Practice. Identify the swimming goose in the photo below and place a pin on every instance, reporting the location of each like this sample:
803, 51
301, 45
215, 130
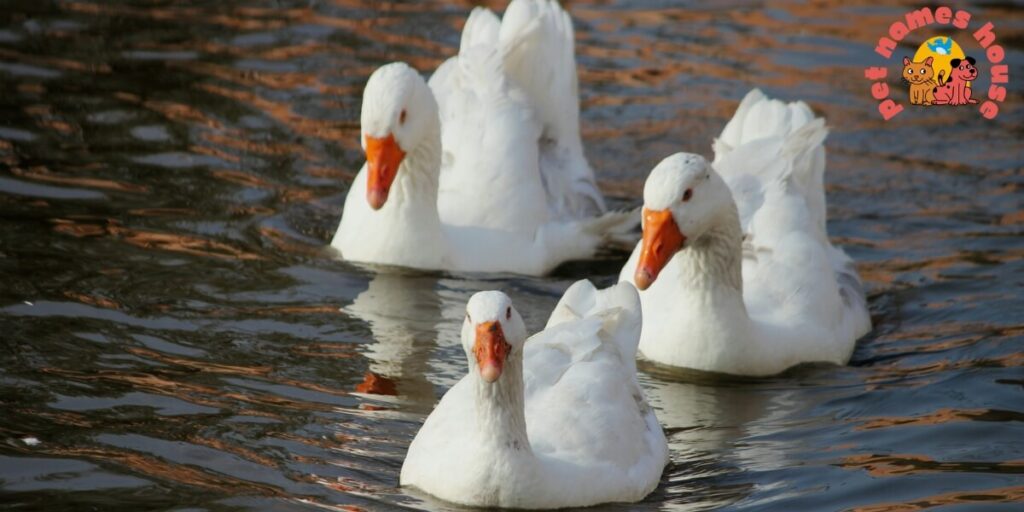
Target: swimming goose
558, 420
735, 266
482, 169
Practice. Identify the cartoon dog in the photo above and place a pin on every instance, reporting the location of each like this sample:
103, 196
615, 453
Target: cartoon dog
919, 75
955, 90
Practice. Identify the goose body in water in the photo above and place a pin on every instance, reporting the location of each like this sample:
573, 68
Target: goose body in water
735, 266
482, 169
555, 421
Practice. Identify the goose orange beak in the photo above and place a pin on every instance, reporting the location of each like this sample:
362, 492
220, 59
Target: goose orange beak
383, 156
490, 349
662, 239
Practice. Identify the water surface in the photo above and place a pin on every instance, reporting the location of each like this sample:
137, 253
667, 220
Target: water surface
176, 336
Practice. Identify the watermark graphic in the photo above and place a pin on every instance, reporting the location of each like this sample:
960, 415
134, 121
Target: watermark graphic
940, 73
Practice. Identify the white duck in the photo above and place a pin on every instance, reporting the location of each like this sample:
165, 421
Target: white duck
737, 272
558, 420
486, 171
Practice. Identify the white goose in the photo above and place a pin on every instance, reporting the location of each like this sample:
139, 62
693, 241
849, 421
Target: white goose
737, 272
482, 170
558, 420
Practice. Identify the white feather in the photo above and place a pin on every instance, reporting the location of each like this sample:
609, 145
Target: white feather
592, 438
498, 181
527, 134
761, 289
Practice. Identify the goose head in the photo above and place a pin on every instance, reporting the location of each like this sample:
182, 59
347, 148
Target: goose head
492, 332
683, 198
398, 109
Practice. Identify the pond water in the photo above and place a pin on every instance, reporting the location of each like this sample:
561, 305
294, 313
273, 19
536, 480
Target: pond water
175, 335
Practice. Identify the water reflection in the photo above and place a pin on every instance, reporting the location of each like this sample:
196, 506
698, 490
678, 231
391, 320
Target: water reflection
403, 311
416, 321
700, 421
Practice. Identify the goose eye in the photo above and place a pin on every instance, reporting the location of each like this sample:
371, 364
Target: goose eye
401, 117
687, 195
468, 319
508, 312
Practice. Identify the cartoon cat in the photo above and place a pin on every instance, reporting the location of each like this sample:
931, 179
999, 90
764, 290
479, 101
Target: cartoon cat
919, 75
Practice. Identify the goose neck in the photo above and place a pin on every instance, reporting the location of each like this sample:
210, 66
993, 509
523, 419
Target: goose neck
501, 409
715, 260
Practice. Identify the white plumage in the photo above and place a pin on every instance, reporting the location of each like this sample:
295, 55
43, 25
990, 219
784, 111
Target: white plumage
494, 177
565, 425
757, 287
510, 118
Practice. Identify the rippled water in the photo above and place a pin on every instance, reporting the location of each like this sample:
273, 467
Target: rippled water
175, 334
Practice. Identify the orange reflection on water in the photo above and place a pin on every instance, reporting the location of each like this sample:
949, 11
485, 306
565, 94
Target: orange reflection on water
903, 464
174, 13
150, 383
77, 228
282, 112
163, 212
250, 78
377, 385
956, 334
330, 172
53, 62
234, 449
55, 417
200, 365
887, 271
289, 52
92, 300
183, 244
915, 376
46, 119
266, 148
262, 372
938, 417
977, 497
217, 153
219, 398
40, 173
326, 350
250, 180
161, 469
284, 242
153, 240
1016, 217
173, 111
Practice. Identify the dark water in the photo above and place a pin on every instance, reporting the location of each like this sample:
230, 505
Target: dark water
174, 335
